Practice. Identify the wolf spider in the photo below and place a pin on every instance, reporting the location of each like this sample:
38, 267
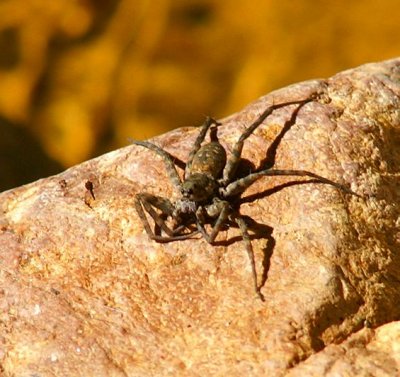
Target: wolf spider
209, 186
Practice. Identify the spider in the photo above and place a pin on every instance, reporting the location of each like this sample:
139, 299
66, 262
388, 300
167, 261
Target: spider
208, 189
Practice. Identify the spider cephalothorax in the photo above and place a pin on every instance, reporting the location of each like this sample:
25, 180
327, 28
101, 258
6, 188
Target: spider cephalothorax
208, 188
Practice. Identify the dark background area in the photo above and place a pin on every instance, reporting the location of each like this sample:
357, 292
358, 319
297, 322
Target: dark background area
78, 78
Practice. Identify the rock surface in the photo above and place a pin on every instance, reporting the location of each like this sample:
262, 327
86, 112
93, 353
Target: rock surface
84, 292
366, 353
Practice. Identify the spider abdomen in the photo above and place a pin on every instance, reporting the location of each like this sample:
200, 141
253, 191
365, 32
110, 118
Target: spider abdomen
210, 159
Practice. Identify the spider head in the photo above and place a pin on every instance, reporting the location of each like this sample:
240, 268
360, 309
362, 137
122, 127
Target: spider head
199, 187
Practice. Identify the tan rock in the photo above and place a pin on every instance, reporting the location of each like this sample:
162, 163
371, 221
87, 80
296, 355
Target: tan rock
365, 353
84, 292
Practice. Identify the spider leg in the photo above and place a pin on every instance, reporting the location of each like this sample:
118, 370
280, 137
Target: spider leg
196, 146
169, 164
222, 210
241, 184
233, 162
146, 202
249, 249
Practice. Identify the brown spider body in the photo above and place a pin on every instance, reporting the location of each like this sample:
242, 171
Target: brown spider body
210, 159
206, 168
208, 186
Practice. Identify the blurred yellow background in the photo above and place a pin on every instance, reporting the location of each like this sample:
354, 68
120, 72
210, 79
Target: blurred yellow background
80, 77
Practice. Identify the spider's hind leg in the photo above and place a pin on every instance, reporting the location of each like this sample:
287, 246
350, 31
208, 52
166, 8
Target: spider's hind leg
233, 162
197, 144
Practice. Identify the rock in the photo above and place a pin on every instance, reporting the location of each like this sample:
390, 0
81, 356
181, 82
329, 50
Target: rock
84, 292
365, 353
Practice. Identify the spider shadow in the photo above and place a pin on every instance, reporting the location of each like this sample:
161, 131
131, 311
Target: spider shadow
178, 162
258, 231
275, 189
269, 160
246, 167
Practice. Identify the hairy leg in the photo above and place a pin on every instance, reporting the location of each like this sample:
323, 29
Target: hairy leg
249, 249
242, 184
233, 162
146, 202
221, 211
169, 164
197, 144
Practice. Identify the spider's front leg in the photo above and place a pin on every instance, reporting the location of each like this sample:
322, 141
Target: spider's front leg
169, 164
147, 202
222, 210
249, 249
219, 209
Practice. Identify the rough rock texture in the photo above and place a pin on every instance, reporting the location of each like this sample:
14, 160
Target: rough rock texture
366, 353
84, 292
